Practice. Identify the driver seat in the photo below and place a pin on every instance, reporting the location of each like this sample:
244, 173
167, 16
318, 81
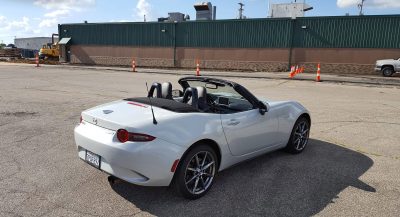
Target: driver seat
190, 97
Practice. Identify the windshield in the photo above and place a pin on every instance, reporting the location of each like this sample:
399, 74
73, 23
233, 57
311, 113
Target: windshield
222, 97
217, 89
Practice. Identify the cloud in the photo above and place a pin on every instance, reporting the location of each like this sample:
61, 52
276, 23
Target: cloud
57, 13
347, 3
369, 3
48, 23
76, 5
54, 12
2, 19
15, 25
59, 9
9, 28
143, 7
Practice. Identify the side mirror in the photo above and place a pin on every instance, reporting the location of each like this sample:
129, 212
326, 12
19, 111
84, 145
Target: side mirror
262, 108
177, 93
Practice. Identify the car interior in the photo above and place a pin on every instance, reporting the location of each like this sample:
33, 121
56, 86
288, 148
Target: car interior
205, 98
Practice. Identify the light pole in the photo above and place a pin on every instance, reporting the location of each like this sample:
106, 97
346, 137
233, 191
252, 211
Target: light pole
241, 10
360, 6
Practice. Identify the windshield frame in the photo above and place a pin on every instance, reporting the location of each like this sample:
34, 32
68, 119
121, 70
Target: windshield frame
242, 91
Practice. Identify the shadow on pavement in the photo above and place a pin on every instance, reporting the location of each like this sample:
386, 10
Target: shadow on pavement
275, 184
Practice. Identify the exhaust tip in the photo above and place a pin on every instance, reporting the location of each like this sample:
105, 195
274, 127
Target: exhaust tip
113, 180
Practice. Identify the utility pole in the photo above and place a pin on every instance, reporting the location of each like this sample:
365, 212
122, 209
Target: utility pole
241, 10
360, 6
144, 18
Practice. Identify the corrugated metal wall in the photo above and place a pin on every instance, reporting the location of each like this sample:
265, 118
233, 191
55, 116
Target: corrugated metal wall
308, 32
265, 33
348, 32
120, 34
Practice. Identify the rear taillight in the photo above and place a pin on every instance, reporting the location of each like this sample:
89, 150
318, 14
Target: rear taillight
124, 136
80, 119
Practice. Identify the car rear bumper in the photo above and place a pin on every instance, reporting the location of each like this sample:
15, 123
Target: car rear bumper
377, 69
141, 163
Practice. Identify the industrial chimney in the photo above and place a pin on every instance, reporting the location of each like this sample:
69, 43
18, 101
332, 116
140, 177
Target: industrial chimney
204, 11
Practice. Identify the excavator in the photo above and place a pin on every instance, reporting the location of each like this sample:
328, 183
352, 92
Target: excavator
51, 50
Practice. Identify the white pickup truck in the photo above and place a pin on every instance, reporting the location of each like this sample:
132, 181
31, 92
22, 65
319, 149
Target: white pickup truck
388, 67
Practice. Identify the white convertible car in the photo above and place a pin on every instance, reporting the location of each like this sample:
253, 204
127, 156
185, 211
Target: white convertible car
183, 138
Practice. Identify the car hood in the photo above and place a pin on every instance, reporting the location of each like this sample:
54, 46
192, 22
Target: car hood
386, 60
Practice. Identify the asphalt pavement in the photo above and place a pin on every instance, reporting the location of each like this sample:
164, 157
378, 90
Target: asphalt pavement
350, 168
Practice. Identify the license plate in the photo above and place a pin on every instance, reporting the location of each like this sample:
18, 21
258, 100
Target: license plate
93, 159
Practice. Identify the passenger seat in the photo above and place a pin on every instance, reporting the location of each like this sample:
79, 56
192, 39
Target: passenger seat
166, 90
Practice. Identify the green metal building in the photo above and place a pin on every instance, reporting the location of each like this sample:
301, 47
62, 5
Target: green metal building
348, 44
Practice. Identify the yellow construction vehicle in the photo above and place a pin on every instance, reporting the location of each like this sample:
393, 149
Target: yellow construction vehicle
50, 50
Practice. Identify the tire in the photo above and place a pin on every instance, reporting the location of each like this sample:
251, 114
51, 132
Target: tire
299, 136
387, 71
195, 175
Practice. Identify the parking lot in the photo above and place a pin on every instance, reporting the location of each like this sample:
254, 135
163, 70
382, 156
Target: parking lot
350, 168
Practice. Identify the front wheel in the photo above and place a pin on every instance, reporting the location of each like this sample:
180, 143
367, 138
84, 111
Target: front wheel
387, 71
299, 137
196, 172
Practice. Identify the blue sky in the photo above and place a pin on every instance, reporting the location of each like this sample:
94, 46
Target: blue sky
27, 18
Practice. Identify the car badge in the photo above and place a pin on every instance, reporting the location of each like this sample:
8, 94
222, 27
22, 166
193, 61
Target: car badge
95, 121
107, 111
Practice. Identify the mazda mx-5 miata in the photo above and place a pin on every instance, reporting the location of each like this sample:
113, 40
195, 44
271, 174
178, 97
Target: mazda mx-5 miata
184, 137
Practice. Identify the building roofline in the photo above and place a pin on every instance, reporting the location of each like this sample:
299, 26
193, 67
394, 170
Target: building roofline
34, 38
243, 20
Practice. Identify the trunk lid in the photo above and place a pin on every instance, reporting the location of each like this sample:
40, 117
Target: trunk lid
121, 114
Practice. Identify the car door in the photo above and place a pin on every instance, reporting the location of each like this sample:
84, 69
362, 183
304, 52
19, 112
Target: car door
249, 131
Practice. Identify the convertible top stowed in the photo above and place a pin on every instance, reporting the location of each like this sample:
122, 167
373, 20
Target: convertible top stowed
207, 126
167, 104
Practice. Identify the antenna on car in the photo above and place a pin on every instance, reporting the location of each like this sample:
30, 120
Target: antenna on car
151, 105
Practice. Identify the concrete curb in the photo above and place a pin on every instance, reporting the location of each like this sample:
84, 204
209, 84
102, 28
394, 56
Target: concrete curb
348, 79
364, 80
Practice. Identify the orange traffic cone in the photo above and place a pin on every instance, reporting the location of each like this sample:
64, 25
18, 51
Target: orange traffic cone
133, 65
302, 69
37, 60
198, 68
319, 73
291, 74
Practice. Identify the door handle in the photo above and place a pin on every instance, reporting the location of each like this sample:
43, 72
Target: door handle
233, 122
